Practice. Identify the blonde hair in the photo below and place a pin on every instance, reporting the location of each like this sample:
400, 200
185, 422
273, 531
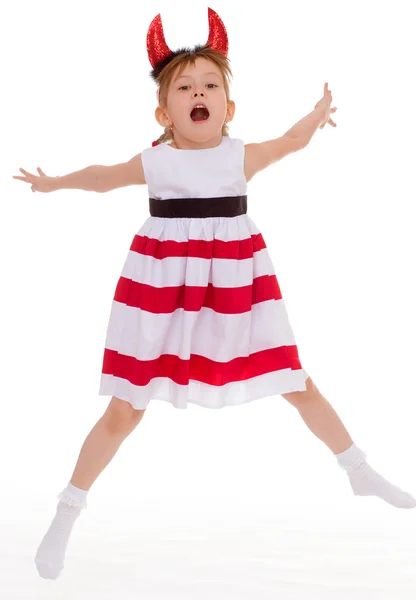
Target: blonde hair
180, 62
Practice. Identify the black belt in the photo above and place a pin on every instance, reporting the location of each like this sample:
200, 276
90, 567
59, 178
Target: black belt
225, 206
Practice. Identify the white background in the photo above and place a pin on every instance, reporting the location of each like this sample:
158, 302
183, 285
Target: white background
204, 503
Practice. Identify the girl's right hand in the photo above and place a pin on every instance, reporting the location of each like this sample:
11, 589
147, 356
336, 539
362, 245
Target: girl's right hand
41, 183
324, 104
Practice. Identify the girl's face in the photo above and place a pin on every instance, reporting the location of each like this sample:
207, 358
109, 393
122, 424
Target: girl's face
198, 84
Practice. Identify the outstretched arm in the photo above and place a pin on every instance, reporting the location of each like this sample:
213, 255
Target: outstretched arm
96, 178
306, 128
262, 155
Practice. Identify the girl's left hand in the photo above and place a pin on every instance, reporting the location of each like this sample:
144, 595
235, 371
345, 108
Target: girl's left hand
40, 183
325, 104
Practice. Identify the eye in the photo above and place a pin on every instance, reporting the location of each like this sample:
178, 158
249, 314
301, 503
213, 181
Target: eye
186, 86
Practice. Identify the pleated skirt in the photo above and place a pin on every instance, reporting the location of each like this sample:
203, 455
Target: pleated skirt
198, 317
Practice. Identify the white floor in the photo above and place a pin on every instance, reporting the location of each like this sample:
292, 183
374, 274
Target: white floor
224, 549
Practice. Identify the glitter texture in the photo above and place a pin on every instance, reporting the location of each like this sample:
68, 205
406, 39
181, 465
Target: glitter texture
157, 48
217, 39
159, 52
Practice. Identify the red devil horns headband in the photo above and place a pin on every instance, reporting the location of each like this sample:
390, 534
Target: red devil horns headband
160, 54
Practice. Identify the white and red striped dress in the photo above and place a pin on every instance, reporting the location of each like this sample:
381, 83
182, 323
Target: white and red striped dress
197, 314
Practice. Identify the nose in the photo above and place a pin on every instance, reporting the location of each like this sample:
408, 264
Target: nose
196, 93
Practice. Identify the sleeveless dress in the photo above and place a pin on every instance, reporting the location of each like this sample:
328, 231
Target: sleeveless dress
197, 315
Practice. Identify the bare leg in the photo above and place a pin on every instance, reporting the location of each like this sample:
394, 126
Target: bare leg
324, 422
103, 441
98, 449
320, 417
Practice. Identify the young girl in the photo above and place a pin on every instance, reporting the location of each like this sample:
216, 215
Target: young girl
197, 314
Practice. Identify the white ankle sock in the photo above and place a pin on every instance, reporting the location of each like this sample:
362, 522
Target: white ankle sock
50, 555
351, 458
365, 481
74, 496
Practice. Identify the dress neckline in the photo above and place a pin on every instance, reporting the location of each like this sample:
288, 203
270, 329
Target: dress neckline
196, 149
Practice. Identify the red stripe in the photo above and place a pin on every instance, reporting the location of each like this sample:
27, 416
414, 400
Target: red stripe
199, 368
232, 300
233, 249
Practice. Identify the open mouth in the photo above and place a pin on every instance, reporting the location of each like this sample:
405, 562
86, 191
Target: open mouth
199, 113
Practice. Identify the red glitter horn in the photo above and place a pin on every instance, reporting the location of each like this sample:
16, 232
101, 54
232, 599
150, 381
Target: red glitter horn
157, 48
159, 52
217, 38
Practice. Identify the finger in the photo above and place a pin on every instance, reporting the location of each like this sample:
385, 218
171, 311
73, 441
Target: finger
27, 173
333, 109
331, 122
41, 172
25, 179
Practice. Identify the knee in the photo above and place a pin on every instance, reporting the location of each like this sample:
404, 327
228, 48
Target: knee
121, 417
299, 399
